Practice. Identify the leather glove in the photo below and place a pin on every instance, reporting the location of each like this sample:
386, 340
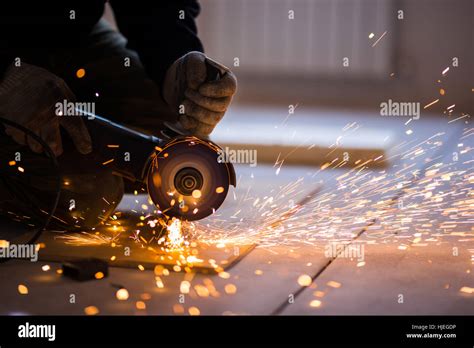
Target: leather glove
186, 88
28, 95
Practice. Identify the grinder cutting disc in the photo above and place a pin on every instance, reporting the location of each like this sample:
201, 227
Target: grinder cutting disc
187, 180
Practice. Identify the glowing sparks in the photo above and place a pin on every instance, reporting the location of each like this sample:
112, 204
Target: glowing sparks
230, 289
80, 73
22, 289
122, 294
437, 202
159, 283
304, 280
158, 270
380, 38
91, 310
334, 284
224, 275
178, 309
140, 305
194, 311
467, 290
175, 236
430, 104
201, 290
184, 287
107, 162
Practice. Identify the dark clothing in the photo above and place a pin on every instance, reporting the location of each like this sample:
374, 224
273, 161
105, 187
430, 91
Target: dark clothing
37, 29
42, 34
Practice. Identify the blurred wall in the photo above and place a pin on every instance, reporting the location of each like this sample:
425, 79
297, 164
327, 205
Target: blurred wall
415, 50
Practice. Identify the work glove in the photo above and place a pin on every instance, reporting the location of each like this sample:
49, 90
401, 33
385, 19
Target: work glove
200, 100
28, 95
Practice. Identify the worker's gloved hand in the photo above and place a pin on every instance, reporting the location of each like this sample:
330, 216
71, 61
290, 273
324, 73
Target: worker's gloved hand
28, 95
200, 102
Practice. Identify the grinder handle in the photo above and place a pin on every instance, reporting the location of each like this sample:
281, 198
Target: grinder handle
214, 70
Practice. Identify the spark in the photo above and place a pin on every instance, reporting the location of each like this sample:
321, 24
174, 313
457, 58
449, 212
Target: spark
304, 280
22, 289
140, 305
122, 294
194, 311
430, 104
334, 284
159, 283
467, 290
86, 238
230, 289
91, 310
178, 309
107, 162
175, 236
380, 38
184, 287
80, 73
224, 275
459, 118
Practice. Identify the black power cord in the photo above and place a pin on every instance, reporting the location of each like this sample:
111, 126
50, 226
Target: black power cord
55, 163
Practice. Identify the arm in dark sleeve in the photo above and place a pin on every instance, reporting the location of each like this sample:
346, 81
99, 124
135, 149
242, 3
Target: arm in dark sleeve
155, 30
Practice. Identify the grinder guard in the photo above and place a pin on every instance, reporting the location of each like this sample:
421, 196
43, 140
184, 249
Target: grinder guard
187, 180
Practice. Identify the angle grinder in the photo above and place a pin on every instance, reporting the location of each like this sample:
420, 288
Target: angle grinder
183, 174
